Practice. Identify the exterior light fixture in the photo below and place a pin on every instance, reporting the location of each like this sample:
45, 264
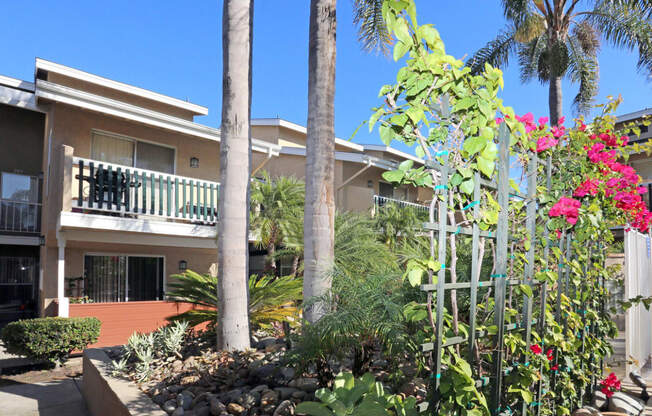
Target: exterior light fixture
370, 183
183, 266
194, 162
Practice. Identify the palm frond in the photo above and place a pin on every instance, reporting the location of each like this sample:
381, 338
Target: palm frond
587, 36
532, 27
495, 53
270, 299
529, 55
583, 68
517, 10
627, 25
372, 31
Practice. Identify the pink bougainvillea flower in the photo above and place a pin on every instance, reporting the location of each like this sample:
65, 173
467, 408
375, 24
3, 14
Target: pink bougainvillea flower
558, 234
588, 187
545, 143
558, 131
499, 120
581, 126
561, 120
641, 190
566, 207
535, 348
542, 121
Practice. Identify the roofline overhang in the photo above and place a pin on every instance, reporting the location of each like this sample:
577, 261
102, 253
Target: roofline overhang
346, 157
279, 122
44, 65
58, 93
634, 115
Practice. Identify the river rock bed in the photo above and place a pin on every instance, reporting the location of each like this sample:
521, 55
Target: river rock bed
203, 381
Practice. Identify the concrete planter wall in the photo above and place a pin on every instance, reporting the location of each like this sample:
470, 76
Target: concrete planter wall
106, 395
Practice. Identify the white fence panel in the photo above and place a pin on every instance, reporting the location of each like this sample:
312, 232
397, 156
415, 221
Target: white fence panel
638, 320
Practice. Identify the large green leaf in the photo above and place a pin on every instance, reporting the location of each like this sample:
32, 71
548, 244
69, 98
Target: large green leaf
313, 409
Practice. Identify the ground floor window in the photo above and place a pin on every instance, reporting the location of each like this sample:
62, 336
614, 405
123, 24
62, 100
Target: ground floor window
123, 278
19, 267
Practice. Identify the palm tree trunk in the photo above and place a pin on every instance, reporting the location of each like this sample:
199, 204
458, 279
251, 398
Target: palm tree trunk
271, 259
319, 214
235, 162
554, 100
295, 265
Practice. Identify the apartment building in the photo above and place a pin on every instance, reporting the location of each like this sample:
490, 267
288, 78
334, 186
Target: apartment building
107, 190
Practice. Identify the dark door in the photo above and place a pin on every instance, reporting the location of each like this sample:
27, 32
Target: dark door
19, 266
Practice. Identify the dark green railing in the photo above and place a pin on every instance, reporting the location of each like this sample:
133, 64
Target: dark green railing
110, 188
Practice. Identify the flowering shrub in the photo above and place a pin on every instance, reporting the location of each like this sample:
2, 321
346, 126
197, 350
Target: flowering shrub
610, 385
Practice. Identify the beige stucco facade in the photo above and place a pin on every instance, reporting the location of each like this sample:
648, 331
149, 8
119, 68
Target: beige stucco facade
72, 105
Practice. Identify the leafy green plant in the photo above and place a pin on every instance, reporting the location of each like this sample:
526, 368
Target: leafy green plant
270, 299
50, 339
362, 396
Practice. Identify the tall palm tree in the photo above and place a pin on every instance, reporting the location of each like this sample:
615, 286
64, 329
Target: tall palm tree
277, 205
319, 215
235, 162
554, 39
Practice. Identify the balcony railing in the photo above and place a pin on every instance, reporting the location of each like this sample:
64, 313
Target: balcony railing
114, 189
20, 216
380, 201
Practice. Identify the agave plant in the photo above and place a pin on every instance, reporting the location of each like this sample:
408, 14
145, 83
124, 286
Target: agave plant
270, 299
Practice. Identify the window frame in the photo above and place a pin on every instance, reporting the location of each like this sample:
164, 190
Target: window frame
135, 142
127, 255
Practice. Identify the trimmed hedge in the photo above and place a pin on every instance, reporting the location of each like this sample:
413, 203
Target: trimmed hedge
50, 339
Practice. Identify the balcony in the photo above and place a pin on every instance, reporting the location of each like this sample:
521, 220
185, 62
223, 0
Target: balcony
382, 201
20, 207
115, 190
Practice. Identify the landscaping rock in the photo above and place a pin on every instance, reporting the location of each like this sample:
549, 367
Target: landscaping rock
286, 408
216, 407
202, 410
264, 373
169, 406
178, 412
306, 384
260, 388
285, 392
192, 379
599, 400
621, 402
249, 400
266, 342
177, 366
161, 398
175, 388
235, 409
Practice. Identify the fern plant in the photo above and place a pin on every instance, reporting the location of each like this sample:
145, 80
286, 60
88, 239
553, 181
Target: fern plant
270, 299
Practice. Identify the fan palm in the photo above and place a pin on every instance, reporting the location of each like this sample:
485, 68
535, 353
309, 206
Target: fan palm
277, 205
554, 39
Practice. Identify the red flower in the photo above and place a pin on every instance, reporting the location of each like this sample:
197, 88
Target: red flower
567, 207
554, 367
549, 354
607, 392
535, 348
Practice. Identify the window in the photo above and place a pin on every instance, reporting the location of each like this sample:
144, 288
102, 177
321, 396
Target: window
386, 190
19, 203
19, 188
112, 148
123, 278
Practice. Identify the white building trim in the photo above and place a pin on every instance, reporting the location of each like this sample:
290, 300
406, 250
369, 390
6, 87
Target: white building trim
16, 83
66, 95
396, 152
347, 157
17, 97
44, 65
633, 116
279, 122
20, 240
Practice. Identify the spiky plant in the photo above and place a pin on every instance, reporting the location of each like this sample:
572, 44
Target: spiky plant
277, 206
555, 39
270, 299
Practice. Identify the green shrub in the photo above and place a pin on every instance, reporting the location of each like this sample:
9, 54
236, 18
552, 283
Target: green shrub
50, 339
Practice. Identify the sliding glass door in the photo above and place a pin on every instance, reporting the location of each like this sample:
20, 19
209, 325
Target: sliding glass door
123, 278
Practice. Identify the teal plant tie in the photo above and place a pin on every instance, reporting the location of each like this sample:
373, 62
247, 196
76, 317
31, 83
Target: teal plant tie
470, 205
438, 375
459, 229
442, 153
534, 404
498, 275
443, 265
527, 363
441, 187
479, 284
512, 256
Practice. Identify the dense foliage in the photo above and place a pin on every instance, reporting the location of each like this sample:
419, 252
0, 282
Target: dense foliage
270, 299
50, 339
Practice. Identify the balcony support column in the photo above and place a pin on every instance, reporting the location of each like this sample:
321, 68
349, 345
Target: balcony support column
62, 300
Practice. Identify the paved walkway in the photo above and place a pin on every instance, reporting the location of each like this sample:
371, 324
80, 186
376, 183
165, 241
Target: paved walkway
51, 398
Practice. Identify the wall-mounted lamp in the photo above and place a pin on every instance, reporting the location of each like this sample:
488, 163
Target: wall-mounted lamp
194, 162
370, 183
183, 266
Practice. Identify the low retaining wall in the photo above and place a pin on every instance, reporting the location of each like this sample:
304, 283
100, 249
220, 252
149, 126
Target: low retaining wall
121, 319
106, 395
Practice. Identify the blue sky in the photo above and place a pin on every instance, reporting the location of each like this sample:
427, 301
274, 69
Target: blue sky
174, 48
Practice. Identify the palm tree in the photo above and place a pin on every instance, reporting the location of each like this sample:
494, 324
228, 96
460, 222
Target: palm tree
277, 204
554, 39
235, 162
319, 215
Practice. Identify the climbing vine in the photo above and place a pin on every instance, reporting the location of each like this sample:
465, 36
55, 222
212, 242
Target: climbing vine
578, 187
